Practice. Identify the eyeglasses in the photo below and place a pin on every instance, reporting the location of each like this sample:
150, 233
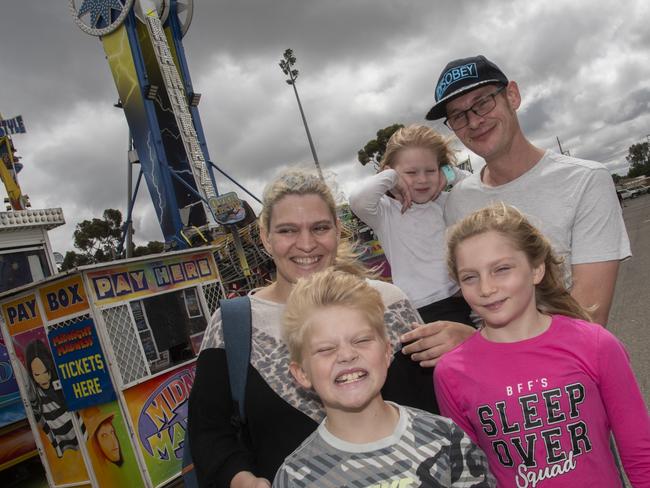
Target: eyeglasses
483, 106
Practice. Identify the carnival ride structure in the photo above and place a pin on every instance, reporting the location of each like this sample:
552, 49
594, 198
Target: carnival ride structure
143, 45
11, 166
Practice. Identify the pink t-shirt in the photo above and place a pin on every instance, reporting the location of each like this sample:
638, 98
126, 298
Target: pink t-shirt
542, 409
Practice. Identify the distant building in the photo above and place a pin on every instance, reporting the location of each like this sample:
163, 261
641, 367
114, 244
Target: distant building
25, 251
631, 183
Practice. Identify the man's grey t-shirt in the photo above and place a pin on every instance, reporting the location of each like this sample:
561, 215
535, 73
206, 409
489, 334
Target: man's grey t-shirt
572, 201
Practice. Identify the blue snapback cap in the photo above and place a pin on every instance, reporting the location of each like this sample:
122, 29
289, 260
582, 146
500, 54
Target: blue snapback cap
461, 76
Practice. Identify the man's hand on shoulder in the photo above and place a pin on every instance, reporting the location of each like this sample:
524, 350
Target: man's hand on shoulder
427, 343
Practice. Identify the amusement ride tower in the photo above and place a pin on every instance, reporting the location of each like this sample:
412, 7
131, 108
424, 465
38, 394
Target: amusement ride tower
143, 45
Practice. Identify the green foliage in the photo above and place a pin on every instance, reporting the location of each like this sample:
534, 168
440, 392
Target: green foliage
73, 260
98, 241
616, 178
639, 159
151, 247
374, 149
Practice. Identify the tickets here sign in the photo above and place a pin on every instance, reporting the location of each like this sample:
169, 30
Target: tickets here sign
81, 365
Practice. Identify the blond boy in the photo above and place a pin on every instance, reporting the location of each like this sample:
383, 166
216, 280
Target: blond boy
334, 329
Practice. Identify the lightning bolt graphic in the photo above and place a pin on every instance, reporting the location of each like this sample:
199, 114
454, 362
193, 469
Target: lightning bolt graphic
153, 180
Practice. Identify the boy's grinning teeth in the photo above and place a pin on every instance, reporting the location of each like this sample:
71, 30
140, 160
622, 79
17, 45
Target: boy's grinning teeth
349, 377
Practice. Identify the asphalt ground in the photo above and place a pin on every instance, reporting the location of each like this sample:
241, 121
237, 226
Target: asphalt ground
629, 317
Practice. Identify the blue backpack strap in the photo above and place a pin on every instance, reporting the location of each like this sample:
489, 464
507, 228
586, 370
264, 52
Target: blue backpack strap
236, 325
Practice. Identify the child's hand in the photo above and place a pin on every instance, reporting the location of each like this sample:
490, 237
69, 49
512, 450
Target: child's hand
442, 184
427, 343
402, 193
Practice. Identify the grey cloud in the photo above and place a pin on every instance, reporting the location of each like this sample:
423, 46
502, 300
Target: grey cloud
364, 65
630, 106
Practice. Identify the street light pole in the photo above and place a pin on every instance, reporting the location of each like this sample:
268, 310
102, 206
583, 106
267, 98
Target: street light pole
129, 196
286, 64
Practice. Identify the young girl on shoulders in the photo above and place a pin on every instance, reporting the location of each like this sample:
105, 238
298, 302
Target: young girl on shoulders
539, 388
411, 227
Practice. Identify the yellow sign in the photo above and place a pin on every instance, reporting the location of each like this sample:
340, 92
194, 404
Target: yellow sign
21, 314
135, 280
64, 298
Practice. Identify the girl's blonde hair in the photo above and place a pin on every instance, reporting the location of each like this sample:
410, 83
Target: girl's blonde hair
304, 182
325, 289
551, 294
418, 136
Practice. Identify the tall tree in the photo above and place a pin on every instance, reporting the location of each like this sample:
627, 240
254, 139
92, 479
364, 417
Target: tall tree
73, 259
151, 247
98, 241
374, 149
639, 159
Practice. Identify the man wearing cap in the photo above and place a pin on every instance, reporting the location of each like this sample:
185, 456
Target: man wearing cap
573, 201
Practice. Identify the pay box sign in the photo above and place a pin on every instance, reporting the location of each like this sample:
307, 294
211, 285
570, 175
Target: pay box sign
21, 314
64, 298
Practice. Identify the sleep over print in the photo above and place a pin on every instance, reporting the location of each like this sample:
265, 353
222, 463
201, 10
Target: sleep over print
543, 409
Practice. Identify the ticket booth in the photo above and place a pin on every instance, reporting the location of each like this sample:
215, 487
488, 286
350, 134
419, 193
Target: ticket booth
25, 256
105, 359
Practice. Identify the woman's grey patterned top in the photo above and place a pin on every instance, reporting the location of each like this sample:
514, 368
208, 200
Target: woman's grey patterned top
270, 356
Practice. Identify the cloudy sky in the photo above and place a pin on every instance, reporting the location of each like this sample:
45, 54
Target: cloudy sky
582, 67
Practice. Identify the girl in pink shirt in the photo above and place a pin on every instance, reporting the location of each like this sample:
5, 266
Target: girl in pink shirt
539, 388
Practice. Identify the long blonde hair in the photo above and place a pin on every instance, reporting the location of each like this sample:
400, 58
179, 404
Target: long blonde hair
298, 181
551, 294
329, 288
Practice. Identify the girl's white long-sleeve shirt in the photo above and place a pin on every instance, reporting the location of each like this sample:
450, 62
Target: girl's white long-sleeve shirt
414, 241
